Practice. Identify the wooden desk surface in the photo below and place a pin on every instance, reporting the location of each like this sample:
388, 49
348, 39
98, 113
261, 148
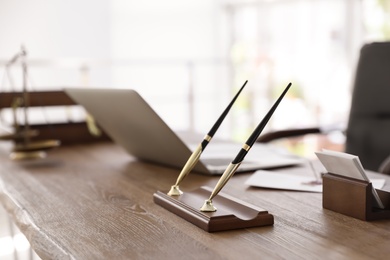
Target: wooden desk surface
96, 202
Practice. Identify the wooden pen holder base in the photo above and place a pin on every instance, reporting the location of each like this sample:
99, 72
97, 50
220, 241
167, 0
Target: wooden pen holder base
231, 213
353, 198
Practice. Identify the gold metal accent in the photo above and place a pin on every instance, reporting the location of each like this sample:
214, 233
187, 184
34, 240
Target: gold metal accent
191, 162
33, 150
92, 127
246, 147
175, 191
16, 103
36, 146
230, 170
207, 138
27, 155
25, 148
208, 206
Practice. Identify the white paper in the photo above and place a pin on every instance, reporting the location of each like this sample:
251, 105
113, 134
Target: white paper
285, 181
342, 164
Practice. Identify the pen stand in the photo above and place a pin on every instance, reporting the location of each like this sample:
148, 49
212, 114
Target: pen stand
353, 198
231, 213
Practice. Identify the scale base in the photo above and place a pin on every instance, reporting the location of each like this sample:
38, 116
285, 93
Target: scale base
231, 213
20, 156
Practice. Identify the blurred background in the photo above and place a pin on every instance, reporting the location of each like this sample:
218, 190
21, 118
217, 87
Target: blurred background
187, 58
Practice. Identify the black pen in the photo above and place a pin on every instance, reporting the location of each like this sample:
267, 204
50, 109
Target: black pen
233, 166
193, 159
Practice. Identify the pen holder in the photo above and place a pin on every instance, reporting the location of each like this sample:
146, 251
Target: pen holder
231, 214
353, 198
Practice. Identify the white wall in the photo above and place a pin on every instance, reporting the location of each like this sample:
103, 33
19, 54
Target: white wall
160, 39
55, 29
175, 52
171, 29
147, 45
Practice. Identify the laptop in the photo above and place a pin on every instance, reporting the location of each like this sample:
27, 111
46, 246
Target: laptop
129, 120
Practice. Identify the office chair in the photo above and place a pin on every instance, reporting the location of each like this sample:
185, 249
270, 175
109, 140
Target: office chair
368, 128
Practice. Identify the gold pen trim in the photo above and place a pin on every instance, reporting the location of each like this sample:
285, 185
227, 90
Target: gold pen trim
246, 147
207, 138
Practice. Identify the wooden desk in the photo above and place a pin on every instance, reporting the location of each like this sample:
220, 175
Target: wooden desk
96, 202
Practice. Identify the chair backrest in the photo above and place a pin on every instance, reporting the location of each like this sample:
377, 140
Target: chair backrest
368, 130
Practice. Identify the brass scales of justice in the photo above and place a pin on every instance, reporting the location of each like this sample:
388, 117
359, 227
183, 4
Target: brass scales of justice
219, 211
24, 146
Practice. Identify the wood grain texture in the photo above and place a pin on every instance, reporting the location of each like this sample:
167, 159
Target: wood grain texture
96, 202
231, 213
